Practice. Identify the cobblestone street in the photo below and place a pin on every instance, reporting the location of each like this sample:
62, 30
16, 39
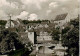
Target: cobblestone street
46, 54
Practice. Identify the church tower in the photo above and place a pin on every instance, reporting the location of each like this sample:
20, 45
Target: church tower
10, 20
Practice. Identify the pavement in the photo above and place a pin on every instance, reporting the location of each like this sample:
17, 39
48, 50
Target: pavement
3, 55
45, 54
46, 50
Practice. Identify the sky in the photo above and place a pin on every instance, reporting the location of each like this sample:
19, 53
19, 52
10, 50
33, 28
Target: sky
38, 9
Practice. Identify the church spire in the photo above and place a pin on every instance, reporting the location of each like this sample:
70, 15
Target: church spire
10, 19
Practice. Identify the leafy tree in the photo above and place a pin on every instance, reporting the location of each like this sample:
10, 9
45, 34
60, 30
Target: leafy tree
55, 34
34, 21
3, 22
26, 21
71, 38
65, 30
75, 22
9, 40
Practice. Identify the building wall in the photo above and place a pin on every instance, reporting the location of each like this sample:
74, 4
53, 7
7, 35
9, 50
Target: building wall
8, 24
31, 36
59, 53
44, 38
60, 21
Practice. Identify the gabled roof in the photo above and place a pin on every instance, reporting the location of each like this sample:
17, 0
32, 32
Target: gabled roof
15, 22
61, 17
19, 20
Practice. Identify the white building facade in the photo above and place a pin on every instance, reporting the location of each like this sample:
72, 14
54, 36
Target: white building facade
31, 36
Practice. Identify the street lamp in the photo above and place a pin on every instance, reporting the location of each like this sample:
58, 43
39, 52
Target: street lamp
60, 29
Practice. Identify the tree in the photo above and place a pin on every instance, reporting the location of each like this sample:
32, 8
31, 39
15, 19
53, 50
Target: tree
71, 38
9, 41
3, 22
65, 30
55, 34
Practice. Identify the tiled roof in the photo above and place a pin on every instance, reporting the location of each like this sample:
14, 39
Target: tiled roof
19, 20
61, 17
12, 29
15, 22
